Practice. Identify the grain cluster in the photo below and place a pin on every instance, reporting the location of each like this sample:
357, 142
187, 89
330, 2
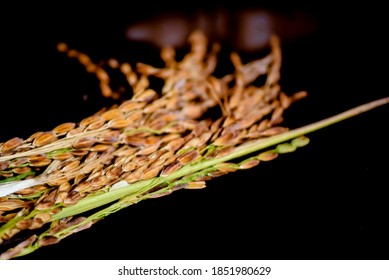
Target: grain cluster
154, 134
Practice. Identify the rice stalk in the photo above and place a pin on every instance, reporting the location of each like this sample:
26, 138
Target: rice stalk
155, 143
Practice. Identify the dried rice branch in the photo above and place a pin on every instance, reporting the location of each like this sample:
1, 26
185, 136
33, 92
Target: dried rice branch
148, 146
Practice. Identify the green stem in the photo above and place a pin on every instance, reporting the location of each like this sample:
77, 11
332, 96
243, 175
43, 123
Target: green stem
98, 200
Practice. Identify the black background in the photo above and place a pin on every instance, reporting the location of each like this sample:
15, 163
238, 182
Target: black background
325, 201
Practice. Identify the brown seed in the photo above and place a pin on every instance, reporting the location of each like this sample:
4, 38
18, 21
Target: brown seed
41, 163
188, 157
70, 165
12, 144
102, 75
299, 95
141, 160
4, 165
99, 148
151, 172
134, 140
79, 178
7, 174
44, 217
128, 167
248, 164
24, 224
80, 152
153, 140
195, 185
109, 137
125, 68
95, 125
175, 144
44, 139
133, 177
267, 156
54, 211
91, 156
131, 105
82, 187
226, 167
62, 156
175, 128
170, 160
124, 151
82, 227
113, 63
114, 173
225, 139
217, 173
156, 155
57, 181
57, 228
198, 141
135, 117
37, 158
75, 131
285, 100
64, 128
169, 117
198, 129
204, 178
50, 196
166, 155
72, 198
253, 128
64, 187
146, 96
158, 125
74, 221
21, 170
157, 104
12, 204
87, 121
224, 151
159, 162
276, 117
171, 168
11, 232
169, 137
44, 206
48, 240
120, 161
84, 142
230, 120
111, 114
96, 172
99, 182
263, 125
33, 136
105, 89
119, 123
61, 197
148, 149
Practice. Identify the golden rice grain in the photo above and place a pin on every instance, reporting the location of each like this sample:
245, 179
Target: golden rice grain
44, 139
11, 144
